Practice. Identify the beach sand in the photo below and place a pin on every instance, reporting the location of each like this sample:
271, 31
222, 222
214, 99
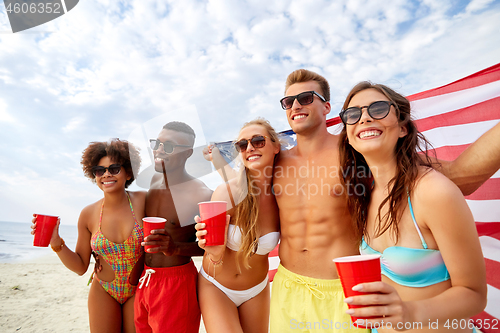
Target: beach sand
42, 295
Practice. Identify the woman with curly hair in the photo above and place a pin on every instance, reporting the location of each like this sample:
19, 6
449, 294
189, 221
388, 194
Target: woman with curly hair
112, 229
233, 287
416, 219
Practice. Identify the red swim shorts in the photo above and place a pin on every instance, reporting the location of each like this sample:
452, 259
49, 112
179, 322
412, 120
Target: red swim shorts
167, 300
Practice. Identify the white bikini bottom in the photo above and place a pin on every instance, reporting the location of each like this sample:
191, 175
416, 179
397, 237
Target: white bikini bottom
237, 296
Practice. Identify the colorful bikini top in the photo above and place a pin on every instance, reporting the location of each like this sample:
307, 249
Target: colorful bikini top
122, 257
266, 243
411, 267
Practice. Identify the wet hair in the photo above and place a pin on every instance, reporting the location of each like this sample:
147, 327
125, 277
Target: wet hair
304, 75
119, 151
181, 127
412, 151
247, 211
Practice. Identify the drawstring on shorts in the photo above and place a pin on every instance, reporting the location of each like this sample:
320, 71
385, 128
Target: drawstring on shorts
147, 276
309, 285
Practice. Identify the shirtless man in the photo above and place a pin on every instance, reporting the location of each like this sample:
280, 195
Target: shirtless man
315, 224
166, 299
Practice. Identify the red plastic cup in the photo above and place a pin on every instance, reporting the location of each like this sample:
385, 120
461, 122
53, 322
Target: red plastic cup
152, 223
44, 227
213, 214
354, 270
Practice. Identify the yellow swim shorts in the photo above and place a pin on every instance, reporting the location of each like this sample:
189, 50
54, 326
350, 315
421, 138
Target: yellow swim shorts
303, 304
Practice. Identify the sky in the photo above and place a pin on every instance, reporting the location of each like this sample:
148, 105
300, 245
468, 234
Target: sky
121, 69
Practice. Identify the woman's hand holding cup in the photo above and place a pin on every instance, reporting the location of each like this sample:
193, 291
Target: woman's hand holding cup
50, 225
215, 251
381, 303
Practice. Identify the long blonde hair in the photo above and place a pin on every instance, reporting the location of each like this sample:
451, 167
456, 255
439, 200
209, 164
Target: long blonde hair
247, 210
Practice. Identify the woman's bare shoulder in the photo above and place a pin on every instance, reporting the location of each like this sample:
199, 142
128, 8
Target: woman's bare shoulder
433, 185
437, 196
224, 191
89, 212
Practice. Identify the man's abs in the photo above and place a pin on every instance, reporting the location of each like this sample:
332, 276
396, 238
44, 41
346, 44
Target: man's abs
311, 239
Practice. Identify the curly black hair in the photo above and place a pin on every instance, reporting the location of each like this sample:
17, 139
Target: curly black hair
119, 151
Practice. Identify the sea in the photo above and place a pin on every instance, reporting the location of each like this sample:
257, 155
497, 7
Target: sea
16, 241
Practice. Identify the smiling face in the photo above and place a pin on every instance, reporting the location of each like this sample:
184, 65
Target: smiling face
108, 182
257, 158
180, 154
304, 118
370, 136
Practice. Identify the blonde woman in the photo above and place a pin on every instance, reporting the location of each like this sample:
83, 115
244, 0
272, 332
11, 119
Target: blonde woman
233, 287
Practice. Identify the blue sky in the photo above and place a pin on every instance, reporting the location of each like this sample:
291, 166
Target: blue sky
123, 68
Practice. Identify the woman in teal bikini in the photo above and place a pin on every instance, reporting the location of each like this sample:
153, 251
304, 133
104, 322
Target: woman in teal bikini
112, 229
414, 217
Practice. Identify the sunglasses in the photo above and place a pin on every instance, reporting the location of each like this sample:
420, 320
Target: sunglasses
305, 98
258, 141
377, 110
113, 169
168, 147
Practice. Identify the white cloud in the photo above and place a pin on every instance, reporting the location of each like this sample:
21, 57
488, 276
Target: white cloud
75, 123
109, 66
4, 114
477, 5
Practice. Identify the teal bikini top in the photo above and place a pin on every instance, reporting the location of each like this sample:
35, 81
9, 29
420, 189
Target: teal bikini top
411, 267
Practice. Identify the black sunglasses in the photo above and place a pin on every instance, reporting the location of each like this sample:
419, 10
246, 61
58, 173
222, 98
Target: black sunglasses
257, 141
168, 147
377, 110
304, 98
113, 169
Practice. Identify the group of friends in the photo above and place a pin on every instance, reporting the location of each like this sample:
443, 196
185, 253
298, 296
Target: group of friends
386, 196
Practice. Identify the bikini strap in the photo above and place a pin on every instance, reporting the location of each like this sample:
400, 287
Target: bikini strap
131, 208
100, 216
424, 244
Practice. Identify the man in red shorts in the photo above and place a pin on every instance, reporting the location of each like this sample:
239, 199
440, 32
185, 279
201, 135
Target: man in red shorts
166, 298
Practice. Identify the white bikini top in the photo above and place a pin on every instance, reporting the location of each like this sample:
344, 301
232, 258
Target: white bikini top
266, 243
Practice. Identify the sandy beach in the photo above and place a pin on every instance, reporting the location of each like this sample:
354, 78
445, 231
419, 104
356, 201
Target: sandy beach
42, 295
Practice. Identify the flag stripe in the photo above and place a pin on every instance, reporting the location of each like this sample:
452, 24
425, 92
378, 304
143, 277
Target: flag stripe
485, 210
333, 121
458, 134
449, 153
488, 191
493, 300
487, 110
490, 246
489, 229
271, 274
493, 266
274, 262
458, 100
483, 77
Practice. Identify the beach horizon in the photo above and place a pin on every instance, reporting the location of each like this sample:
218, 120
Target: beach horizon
42, 295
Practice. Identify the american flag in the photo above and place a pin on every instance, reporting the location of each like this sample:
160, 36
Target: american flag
452, 117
